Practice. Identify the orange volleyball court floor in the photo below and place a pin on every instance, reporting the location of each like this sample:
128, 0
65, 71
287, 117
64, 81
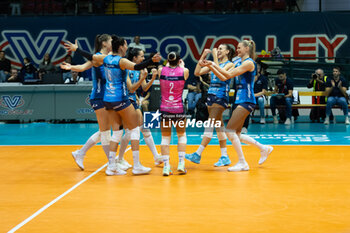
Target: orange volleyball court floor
299, 189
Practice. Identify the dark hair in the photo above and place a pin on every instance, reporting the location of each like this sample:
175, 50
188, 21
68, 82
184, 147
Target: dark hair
173, 58
49, 61
98, 41
281, 71
2, 51
132, 52
231, 52
117, 42
27, 58
337, 68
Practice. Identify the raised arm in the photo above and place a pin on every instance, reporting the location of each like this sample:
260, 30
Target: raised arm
186, 73
97, 60
224, 74
133, 87
215, 56
145, 85
126, 64
199, 70
78, 68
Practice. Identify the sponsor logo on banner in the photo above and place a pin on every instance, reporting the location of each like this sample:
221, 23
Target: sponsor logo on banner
86, 110
19, 44
11, 102
11, 105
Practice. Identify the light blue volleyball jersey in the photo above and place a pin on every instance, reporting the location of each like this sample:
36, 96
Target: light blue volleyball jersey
245, 85
98, 81
217, 87
116, 89
134, 76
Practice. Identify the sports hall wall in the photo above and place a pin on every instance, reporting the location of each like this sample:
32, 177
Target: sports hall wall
307, 35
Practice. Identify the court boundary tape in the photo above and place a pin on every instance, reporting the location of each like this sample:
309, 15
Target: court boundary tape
42, 209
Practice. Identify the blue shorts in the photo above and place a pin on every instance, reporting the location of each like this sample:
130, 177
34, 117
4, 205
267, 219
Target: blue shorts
97, 104
133, 102
118, 105
213, 99
249, 106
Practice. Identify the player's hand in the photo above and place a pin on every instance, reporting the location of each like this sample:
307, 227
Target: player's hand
206, 63
65, 66
181, 63
70, 46
144, 73
156, 57
154, 73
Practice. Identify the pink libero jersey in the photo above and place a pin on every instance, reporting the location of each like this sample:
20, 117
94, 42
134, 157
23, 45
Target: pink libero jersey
172, 83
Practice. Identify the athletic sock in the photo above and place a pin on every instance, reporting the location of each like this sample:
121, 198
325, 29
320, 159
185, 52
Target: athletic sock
111, 157
166, 160
182, 157
223, 151
136, 158
200, 149
238, 147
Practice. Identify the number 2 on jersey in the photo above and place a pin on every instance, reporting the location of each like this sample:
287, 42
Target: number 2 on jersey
171, 88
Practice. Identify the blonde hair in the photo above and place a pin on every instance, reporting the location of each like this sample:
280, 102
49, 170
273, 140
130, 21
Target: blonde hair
251, 45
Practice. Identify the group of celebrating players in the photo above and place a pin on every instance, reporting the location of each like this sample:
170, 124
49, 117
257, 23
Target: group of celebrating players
117, 72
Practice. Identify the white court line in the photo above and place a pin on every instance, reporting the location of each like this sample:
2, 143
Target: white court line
57, 199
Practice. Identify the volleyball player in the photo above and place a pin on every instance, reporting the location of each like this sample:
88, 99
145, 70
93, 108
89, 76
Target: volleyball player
103, 46
217, 102
116, 99
136, 79
245, 71
172, 82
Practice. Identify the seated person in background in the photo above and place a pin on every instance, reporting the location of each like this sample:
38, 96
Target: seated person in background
5, 67
14, 76
194, 94
137, 44
318, 83
260, 89
283, 95
66, 74
28, 72
336, 92
46, 65
75, 78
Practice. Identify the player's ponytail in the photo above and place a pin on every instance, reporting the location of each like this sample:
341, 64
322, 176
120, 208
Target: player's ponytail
231, 52
173, 58
117, 42
251, 45
99, 39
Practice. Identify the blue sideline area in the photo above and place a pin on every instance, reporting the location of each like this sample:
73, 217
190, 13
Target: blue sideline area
77, 134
